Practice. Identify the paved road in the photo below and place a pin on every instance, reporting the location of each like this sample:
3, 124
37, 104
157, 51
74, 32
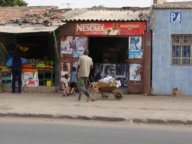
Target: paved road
27, 131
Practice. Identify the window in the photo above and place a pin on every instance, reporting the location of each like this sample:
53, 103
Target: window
181, 49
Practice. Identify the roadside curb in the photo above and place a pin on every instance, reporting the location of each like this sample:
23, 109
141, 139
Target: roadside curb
100, 118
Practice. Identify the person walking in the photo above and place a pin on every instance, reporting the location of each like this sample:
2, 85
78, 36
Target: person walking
85, 66
73, 81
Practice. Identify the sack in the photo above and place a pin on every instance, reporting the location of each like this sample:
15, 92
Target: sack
24, 60
9, 63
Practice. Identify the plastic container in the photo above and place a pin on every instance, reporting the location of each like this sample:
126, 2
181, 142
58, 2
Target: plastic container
48, 83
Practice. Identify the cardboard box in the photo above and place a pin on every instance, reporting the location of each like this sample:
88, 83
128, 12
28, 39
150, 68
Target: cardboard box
29, 75
30, 83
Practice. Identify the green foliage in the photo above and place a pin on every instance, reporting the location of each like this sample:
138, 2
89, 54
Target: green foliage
99, 6
12, 3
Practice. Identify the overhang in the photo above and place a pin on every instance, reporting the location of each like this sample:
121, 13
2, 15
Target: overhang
15, 29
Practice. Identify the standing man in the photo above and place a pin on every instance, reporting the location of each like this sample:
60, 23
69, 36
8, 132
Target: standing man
16, 72
85, 66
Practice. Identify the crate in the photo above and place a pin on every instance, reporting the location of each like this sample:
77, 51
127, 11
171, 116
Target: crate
6, 81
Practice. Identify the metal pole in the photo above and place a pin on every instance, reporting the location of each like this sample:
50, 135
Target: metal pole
56, 46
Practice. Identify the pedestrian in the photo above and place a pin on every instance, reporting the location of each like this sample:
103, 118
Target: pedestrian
16, 73
65, 85
85, 66
73, 81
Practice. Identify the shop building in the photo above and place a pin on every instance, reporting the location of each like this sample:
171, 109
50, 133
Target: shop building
118, 40
34, 32
172, 46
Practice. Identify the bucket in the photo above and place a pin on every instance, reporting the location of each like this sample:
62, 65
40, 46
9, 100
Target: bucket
48, 83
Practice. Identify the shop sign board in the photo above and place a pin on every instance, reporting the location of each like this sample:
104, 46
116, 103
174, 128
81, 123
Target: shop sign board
175, 17
110, 28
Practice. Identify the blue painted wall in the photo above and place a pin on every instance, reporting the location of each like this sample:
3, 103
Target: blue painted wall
166, 76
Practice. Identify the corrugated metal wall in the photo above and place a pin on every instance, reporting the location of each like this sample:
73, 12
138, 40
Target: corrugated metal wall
165, 76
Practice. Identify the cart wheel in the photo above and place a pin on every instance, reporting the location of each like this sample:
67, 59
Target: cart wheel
104, 95
118, 95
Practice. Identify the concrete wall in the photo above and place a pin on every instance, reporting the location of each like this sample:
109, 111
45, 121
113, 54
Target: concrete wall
165, 76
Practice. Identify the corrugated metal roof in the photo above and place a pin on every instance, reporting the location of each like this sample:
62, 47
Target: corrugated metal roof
30, 19
107, 14
11, 13
173, 5
47, 19
26, 29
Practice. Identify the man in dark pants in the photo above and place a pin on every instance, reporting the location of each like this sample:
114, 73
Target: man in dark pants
16, 73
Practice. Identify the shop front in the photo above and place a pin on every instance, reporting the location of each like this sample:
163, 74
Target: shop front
39, 72
119, 49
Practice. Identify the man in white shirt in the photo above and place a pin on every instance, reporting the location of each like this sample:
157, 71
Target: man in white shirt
85, 66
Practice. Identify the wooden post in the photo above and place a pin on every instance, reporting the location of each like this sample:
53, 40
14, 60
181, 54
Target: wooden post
57, 58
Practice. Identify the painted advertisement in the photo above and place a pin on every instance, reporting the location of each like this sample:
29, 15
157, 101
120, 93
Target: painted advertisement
110, 28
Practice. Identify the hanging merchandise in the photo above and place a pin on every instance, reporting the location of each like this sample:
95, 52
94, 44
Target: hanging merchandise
9, 62
4, 69
22, 48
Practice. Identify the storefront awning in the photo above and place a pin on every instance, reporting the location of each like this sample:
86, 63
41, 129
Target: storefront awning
27, 29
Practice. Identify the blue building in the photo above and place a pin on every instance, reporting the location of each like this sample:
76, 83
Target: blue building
172, 48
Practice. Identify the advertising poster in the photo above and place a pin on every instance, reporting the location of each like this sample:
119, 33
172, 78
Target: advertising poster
74, 45
134, 72
120, 70
108, 70
66, 44
124, 81
135, 49
81, 43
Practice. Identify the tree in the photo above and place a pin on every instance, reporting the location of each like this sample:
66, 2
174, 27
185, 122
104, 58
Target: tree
99, 6
12, 3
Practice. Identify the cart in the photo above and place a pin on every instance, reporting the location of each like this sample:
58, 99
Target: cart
108, 88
